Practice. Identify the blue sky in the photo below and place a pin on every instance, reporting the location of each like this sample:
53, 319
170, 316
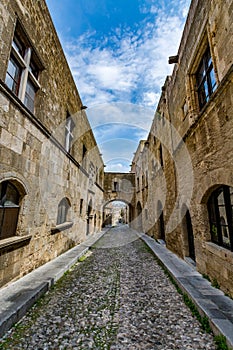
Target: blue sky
118, 52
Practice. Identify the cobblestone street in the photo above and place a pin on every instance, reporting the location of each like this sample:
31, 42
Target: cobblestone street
116, 298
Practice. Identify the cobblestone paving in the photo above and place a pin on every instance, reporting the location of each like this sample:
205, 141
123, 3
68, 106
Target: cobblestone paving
117, 298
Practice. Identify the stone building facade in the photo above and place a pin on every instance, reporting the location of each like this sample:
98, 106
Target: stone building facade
189, 149
51, 177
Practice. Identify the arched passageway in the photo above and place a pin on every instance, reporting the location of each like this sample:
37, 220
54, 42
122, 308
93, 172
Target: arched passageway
116, 212
119, 187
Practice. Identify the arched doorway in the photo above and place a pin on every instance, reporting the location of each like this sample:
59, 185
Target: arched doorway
188, 236
161, 221
139, 217
89, 217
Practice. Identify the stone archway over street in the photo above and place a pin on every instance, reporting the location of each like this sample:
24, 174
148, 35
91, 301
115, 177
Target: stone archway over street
120, 187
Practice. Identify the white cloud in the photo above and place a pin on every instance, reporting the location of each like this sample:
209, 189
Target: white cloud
133, 67
123, 113
151, 98
117, 167
127, 66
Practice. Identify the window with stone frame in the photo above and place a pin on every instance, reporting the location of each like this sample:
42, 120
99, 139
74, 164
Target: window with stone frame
9, 209
116, 186
63, 209
205, 78
23, 69
220, 211
69, 127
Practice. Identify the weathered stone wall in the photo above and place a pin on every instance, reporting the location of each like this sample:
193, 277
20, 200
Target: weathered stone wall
206, 133
139, 165
33, 156
119, 186
197, 155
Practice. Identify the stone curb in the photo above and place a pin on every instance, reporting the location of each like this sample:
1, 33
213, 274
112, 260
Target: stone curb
210, 301
19, 296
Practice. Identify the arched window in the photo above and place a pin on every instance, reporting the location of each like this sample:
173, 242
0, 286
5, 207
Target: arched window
220, 215
9, 209
63, 209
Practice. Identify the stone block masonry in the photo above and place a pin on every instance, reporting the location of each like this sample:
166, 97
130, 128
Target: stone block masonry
187, 157
43, 174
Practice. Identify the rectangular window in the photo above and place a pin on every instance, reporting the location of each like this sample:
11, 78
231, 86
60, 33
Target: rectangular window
220, 215
69, 132
206, 82
22, 72
30, 95
115, 186
13, 75
19, 46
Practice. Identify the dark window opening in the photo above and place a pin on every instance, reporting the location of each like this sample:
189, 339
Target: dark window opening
13, 75
220, 216
161, 221
161, 154
18, 45
143, 181
81, 206
9, 209
206, 82
84, 160
116, 186
84, 151
34, 69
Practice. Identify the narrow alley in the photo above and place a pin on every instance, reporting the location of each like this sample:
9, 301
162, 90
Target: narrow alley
116, 297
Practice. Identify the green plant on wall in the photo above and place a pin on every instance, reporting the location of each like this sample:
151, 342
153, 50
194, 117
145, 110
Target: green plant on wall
214, 230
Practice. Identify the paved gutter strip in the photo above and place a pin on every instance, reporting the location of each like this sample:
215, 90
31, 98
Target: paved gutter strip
19, 296
210, 301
